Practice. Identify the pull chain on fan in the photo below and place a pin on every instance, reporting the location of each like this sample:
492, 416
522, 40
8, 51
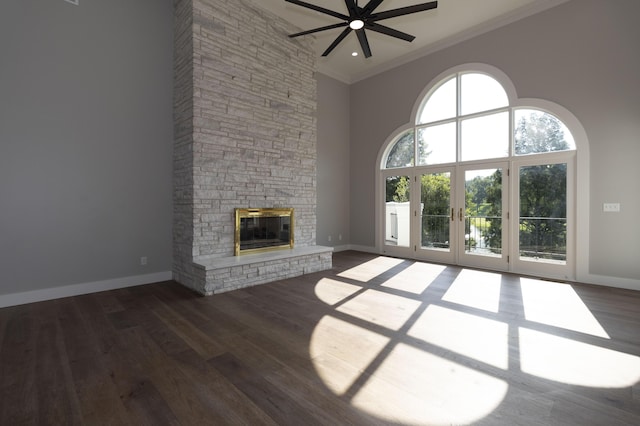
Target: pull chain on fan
361, 18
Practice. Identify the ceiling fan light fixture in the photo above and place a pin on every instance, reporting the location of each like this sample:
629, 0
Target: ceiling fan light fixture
356, 24
360, 18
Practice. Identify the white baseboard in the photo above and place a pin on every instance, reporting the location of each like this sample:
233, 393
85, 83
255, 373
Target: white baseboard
606, 281
365, 249
33, 296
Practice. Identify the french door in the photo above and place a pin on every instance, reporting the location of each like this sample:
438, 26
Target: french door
543, 230
483, 213
491, 215
461, 215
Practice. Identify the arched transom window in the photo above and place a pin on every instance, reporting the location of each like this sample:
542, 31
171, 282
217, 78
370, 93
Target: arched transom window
469, 117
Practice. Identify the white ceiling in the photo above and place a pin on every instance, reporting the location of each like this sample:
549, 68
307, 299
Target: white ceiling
452, 22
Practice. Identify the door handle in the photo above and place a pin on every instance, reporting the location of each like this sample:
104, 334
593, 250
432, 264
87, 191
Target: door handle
460, 214
453, 214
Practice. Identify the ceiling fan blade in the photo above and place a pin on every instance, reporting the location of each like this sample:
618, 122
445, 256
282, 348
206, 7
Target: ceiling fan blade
319, 9
315, 30
337, 41
402, 11
389, 31
352, 8
371, 6
364, 43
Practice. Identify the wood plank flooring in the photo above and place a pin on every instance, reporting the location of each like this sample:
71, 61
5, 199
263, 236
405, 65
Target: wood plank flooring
373, 341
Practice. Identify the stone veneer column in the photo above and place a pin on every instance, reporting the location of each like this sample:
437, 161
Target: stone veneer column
183, 105
245, 132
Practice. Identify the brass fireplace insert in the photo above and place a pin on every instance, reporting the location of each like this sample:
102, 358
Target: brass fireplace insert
264, 229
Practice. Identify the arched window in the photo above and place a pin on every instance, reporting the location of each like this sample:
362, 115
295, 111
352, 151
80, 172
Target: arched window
487, 179
468, 117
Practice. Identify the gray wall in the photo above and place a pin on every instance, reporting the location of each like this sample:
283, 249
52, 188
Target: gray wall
85, 141
333, 162
86, 131
582, 55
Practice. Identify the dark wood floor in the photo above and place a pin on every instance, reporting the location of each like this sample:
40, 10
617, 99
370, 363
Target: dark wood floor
373, 341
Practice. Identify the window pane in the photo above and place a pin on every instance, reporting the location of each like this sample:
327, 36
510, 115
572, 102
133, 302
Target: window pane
537, 131
480, 92
441, 104
397, 211
543, 213
483, 212
437, 144
401, 155
485, 137
435, 203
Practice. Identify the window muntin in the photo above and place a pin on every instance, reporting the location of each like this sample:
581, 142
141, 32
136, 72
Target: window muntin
536, 131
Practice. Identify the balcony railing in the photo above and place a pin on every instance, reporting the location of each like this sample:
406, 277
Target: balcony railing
541, 238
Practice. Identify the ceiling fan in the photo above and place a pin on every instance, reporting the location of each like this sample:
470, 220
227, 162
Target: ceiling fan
361, 18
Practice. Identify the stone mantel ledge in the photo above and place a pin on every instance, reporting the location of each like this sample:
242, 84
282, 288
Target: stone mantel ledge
211, 263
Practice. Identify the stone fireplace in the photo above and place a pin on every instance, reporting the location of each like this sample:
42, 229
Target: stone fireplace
245, 135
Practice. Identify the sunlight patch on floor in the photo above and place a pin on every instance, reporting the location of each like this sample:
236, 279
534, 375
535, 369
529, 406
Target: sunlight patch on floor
475, 337
341, 351
336, 374
558, 305
332, 291
434, 390
576, 363
476, 289
413, 360
381, 308
367, 271
416, 278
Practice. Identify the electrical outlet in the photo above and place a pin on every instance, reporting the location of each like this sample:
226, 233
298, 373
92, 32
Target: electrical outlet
329, 238
143, 261
611, 207
340, 237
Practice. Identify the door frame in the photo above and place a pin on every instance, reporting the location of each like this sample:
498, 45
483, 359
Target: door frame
565, 271
432, 255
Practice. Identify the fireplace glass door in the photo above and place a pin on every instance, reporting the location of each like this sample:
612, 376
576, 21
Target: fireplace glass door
263, 229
